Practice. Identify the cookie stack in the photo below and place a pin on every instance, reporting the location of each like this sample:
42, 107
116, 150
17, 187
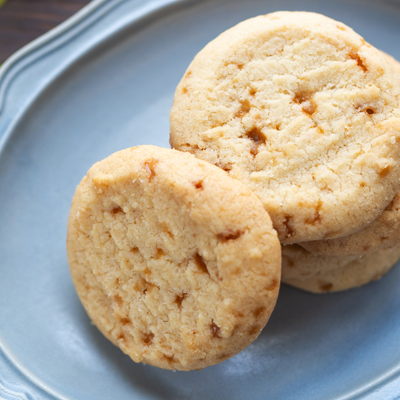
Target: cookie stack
293, 125
306, 114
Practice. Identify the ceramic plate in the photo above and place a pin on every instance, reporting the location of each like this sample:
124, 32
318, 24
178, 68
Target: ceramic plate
104, 81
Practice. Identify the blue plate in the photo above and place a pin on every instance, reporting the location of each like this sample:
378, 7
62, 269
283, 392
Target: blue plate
104, 81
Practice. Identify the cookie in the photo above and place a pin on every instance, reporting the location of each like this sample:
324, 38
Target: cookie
303, 111
175, 262
300, 264
358, 272
382, 233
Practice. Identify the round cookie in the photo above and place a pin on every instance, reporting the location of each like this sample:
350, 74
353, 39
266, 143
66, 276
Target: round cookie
356, 273
383, 233
299, 264
304, 112
175, 262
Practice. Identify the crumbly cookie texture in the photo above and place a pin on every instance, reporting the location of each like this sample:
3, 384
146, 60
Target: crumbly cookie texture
383, 233
174, 261
304, 112
358, 272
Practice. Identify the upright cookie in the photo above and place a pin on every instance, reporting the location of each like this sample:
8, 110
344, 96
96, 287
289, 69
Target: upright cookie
357, 272
304, 112
175, 262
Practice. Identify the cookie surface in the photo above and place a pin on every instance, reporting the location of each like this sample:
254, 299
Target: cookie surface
358, 272
175, 262
304, 112
382, 233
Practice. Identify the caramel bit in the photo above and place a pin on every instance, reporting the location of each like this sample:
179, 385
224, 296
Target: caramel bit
215, 330
118, 300
317, 215
278, 127
252, 92
244, 108
254, 151
363, 184
259, 311
121, 337
256, 136
125, 321
199, 260
310, 107
230, 235
223, 356
320, 130
301, 97
134, 250
179, 299
355, 56
340, 27
198, 184
188, 74
306, 97
147, 286
117, 210
385, 171
225, 167
367, 109
150, 167
288, 229
160, 253
326, 287
254, 329
184, 90
147, 338
274, 284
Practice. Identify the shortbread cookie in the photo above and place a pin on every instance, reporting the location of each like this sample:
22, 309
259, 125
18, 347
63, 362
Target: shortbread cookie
356, 273
300, 264
304, 112
175, 262
383, 233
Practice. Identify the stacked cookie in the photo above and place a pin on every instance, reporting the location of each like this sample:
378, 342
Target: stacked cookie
305, 113
293, 122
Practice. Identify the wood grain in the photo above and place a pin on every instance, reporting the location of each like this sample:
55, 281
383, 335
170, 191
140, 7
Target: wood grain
21, 21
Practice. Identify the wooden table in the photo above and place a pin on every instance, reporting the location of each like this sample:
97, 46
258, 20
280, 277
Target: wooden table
21, 21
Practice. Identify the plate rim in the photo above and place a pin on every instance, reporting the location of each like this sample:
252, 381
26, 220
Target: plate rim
19, 63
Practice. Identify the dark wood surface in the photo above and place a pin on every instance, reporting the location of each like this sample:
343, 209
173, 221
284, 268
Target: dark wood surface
21, 21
